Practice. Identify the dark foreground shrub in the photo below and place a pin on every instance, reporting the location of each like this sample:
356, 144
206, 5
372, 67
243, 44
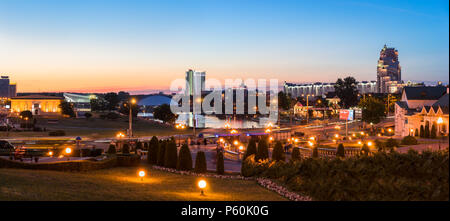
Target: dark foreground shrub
152, 157
278, 152
220, 166
170, 156
409, 140
112, 149
295, 156
200, 162
184, 158
340, 151
125, 148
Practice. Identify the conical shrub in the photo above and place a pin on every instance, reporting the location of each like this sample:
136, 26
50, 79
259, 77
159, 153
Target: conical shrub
340, 151
296, 155
161, 153
263, 150
184, 158
152, 156
251, 148
171, 156
278, 152
220, 167
200, 162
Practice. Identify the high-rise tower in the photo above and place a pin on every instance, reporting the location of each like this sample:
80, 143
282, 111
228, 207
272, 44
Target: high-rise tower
389, 72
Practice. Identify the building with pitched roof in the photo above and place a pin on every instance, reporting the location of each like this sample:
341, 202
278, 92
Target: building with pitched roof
425, 107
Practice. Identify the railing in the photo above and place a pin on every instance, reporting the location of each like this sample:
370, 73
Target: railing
327, 152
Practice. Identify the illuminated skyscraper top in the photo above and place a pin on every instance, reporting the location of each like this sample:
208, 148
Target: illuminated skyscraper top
389, 73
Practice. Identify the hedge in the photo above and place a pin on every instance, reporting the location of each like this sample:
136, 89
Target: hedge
381, 176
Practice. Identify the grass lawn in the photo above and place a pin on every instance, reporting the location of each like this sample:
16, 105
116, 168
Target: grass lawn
123, 184
99, 128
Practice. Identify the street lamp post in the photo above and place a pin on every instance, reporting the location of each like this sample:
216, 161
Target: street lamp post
130, 129
439, 122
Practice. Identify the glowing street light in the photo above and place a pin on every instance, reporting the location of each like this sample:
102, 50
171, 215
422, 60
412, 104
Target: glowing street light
369, 143
359, 142
270, 138
233, 131
130, 130
227, 125
241, 148
310, 143
236, 142
337, 127
312, 138
50, 153
296, 140
336, 135
202, 185
142, 175
362, 132
267, 130
68, 150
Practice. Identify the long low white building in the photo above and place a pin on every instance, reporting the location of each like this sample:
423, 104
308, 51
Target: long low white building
320, 89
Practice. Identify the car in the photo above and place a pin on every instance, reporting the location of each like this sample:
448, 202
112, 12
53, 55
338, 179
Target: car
4, 144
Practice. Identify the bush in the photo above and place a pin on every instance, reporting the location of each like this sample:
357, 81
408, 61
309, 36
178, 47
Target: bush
138, 146
278, 152
315, 153
112, 116
340, 151
125, 148
391, 143
416, 133
295, 156
422, 131
365, 151
145, 146
200, 162
184, 158
170, 156
381, 176
112, 149
251, 168
87, 115
251, 148
161, 152
263, 150
57, 133
380, 145
153, 147
433, 131
427, 131
409, 140
220, 165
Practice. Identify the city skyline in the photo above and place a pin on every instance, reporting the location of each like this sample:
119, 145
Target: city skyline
142, 46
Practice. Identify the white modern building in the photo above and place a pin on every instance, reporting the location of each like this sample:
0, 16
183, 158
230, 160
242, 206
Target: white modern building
321, 89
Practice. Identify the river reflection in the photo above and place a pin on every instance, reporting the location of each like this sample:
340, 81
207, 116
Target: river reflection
211, 121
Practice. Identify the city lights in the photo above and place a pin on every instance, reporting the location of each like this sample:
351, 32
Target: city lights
68, 150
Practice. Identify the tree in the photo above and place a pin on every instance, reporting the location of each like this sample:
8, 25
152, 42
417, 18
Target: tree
365, 150
125, 109
87, 115
315, 153
112, 149
422, 131
153, 148
380, 145
164, 113
251, 148
346, 91
278, 152
125, 149
416, 133
391, 144
295, 156
26, 114
161, 152
372, 109
170, 156
138, 146
263, 150
433, 131
67, 108
112, 100
99, 103
220, 167
427, 130
200, 162
340, 152
184, 158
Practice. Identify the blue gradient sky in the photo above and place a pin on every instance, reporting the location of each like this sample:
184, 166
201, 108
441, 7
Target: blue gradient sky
140, 45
